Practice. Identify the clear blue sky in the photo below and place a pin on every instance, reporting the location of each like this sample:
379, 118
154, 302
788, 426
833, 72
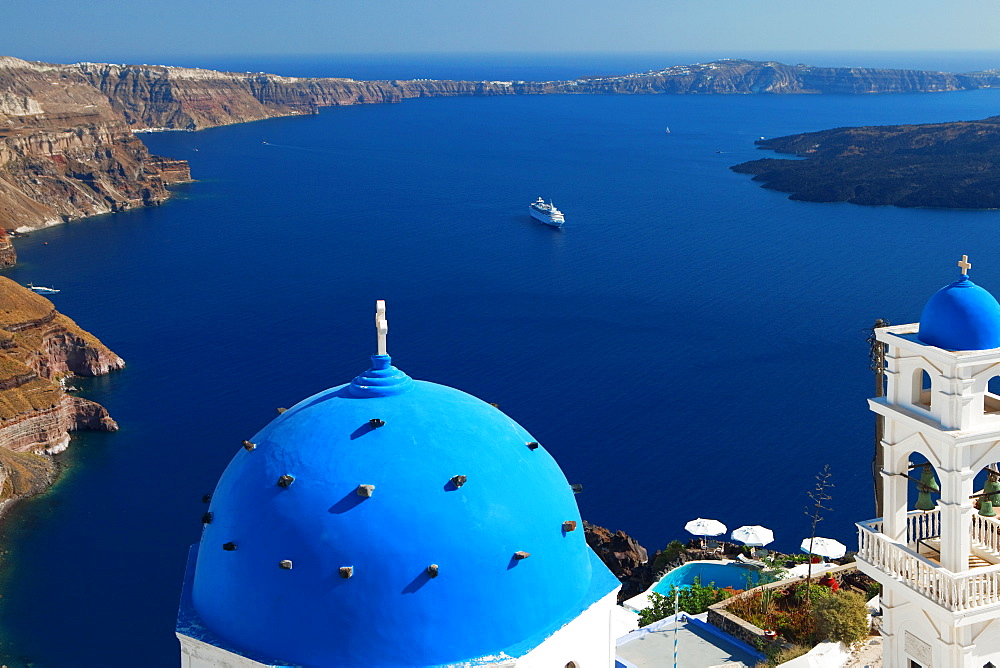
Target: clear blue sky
67, 30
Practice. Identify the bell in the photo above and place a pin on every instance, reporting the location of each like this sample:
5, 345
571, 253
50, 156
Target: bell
924, 500
992, 487
927, 480
986, 508
925, 488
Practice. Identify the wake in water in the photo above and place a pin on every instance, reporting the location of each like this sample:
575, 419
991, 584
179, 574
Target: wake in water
303, 148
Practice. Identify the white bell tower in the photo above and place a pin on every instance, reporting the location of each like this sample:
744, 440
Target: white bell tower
939, 568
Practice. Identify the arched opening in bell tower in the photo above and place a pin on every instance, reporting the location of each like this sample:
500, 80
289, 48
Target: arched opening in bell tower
923, 519
922, 389
985, 529
991, 400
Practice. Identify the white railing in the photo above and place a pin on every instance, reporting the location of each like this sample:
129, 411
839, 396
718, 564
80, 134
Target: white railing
922, 525
986, 533
954, 591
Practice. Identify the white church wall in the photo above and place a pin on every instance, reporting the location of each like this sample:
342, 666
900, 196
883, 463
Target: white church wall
986, 635
198, 654
932, 638
586, 642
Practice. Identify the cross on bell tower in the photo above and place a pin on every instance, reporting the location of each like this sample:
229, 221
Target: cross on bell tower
382, 325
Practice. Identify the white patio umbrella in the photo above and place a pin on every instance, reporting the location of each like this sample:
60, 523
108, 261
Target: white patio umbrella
703, 527
753, 535
824, 547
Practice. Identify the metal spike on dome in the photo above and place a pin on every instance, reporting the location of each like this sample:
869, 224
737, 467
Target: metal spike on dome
207, 518
576, 487
432, 570
286, 480
229, 547
521, 555
569, 525
346, 571
366, 490
375, 423
248, 446
206, 499
494, 405
281, 410
459, 480
532, 445
285, 564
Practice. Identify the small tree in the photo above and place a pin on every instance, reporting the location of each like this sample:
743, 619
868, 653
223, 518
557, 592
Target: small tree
660, 608
670, 554
842, 617
819, 496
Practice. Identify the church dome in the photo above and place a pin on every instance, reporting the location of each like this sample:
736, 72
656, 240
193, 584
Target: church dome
961, 316
392, 522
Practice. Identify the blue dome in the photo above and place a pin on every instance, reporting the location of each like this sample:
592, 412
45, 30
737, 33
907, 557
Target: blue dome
961, 316
388, 610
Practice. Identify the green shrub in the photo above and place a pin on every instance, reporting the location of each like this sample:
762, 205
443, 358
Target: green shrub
673, 549
812, 592
670, 553
694, 599
842, 617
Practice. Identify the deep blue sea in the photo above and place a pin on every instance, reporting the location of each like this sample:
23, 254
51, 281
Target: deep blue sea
688, 345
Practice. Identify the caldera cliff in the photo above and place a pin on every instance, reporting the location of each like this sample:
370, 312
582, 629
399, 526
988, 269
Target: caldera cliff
39, 350
68, 148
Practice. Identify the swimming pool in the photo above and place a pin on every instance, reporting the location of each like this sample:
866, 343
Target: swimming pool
723, 574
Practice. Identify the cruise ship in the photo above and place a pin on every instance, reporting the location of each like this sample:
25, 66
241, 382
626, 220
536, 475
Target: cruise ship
546, 213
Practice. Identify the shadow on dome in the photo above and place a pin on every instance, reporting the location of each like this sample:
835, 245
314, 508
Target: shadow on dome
350, 501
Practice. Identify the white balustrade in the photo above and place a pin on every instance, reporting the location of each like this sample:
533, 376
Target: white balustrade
986, 533
955, 591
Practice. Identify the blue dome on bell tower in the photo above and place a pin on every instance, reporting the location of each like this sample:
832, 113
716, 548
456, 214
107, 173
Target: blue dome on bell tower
391, 522
961, 316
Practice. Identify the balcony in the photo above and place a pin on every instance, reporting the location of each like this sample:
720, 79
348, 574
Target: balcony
915, 563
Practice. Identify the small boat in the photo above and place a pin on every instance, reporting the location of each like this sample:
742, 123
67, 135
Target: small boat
546, 213
42, 290
668, 130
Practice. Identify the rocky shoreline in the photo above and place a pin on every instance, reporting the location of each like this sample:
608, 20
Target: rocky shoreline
39, 349
935, 165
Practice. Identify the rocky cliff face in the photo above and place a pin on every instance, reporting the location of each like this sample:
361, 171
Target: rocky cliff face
193, 99
66, 152
50, 176
39, 348
623, 556
8, 256
746, 77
